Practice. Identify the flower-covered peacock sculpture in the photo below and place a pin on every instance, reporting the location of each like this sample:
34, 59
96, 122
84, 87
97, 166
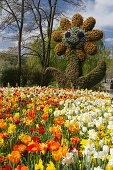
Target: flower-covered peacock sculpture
75, 41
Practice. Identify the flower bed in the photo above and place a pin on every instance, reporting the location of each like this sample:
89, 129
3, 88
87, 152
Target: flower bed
49, 128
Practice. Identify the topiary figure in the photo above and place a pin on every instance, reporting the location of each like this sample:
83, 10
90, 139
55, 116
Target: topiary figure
76, 40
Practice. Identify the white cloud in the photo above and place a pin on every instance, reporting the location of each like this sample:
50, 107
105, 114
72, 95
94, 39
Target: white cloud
2, 32
3, 50
101, 10
109, 40
30, 36
11, 34
104, 3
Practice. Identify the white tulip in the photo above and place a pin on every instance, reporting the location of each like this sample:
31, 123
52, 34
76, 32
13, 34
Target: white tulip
98, 124
84, 129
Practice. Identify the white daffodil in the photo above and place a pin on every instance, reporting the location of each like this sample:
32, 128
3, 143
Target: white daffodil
102, 154
106, 149
68, 159
111, 152
95, 155
102, 142
110, 163
92, 134
90, 124
107, 115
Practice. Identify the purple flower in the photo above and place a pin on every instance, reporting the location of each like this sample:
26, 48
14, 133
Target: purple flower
48, 103
55, 104
41, 108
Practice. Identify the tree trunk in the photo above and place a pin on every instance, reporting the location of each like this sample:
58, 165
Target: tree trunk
19, 58
19, 43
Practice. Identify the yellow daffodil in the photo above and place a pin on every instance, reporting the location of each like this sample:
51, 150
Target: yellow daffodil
50, 166
16, 116
1, 141
109, 167
39, 166
21, 136
12, 128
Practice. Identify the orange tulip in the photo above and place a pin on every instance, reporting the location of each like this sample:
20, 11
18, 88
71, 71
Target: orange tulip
64, 150
19, 148
45, 116
4, 134
21, 167
57, 155
3, 124
74, 140
34, 147
26, 139
56, 128
43, 147
60, 120
14, 157
53, 146
74, 127
57, 135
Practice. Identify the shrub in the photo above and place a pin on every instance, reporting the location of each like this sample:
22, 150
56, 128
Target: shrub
10, 76
30, 77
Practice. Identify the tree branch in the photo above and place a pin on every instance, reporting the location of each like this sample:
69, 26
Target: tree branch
40, 28
13, 14
33, 51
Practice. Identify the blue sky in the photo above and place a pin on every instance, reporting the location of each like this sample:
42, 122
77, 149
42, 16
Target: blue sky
101, 10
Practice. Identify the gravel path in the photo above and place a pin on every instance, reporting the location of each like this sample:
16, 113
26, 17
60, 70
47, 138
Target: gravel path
111, 95
108, 89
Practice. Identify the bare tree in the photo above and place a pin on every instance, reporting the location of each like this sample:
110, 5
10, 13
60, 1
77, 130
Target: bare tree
43, 14
40, 16
14, 18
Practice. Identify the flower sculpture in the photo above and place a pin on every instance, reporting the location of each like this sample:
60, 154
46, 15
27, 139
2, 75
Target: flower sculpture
76, 40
